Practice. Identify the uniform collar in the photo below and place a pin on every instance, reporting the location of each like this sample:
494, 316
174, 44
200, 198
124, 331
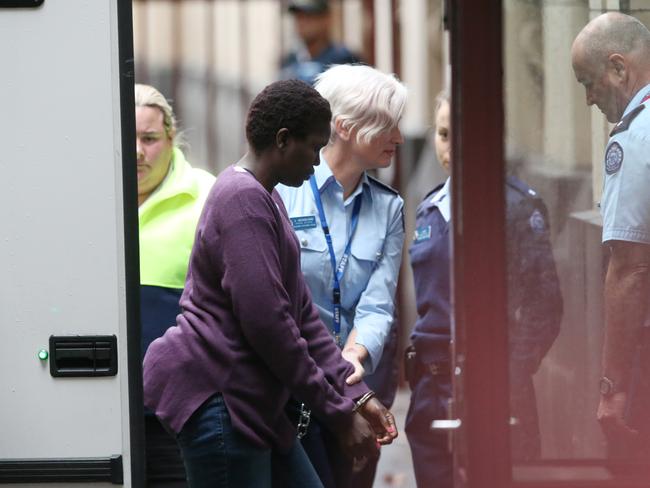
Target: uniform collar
636, 99
442, 200
325, 177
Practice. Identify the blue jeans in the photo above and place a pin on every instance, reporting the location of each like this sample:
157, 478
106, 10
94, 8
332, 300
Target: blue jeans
216, 456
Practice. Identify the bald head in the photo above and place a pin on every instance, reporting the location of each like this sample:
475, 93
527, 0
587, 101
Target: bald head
613, 33
611, 58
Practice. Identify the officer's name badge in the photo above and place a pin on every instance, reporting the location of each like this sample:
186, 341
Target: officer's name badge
613, 158
302, 223
422, 234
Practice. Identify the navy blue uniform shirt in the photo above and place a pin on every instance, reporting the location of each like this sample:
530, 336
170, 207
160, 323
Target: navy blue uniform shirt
299, 65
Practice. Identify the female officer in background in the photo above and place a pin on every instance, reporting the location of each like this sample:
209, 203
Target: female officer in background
534, 314
350, 222
171, 195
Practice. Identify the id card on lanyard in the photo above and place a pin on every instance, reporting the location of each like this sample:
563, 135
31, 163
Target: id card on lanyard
337, 270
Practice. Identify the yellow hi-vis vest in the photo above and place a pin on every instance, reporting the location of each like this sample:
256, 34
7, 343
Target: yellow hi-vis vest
168, 221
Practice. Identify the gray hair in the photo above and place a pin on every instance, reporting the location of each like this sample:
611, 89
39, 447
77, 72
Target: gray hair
362, 98
148, 96
615, 32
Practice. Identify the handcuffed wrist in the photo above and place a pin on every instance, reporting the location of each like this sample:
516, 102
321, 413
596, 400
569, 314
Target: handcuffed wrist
363, 400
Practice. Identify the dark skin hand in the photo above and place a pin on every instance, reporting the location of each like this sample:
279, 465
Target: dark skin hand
372, 426
358, 441
381, 421
626, 291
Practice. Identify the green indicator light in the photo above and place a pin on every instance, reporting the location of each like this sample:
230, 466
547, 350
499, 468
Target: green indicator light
43, 355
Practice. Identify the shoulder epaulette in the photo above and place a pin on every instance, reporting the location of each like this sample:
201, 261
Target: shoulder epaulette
435, 190
625, 122
383, 185
521, 187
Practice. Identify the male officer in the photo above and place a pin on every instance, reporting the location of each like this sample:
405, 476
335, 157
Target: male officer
318, 52
611, 58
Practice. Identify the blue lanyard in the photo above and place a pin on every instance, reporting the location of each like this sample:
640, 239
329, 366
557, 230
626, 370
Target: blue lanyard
337, 271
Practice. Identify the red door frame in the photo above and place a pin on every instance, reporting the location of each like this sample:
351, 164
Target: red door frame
479, 241
482, 448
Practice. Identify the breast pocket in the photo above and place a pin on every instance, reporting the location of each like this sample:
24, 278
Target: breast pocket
365, 256
430, 243
314, 255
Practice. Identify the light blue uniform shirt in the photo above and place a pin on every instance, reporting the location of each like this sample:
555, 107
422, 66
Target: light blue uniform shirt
625, 205
370, 279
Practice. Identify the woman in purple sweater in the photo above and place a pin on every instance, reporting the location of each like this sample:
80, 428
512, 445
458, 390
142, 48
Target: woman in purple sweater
249, 336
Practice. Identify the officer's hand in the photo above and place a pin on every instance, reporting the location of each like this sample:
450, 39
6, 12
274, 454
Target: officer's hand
355, 354
358, 441
381, 420
610, 416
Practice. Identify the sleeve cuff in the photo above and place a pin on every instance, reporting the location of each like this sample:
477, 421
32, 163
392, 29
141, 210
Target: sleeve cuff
375, 348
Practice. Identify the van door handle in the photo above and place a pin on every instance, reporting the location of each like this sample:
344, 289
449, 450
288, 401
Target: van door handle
83, 356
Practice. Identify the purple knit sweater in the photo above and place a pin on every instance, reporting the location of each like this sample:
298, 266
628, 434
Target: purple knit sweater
248, 328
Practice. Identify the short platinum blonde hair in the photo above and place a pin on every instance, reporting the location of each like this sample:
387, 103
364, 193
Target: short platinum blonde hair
362, 98
148, 96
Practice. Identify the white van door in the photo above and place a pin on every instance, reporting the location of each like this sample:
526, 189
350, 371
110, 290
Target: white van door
70, 374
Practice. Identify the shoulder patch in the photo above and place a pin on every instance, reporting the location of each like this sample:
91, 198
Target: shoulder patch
613, 158
383, 185
624, 123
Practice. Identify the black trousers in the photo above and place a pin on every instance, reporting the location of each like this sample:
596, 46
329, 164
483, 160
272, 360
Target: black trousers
164, 464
